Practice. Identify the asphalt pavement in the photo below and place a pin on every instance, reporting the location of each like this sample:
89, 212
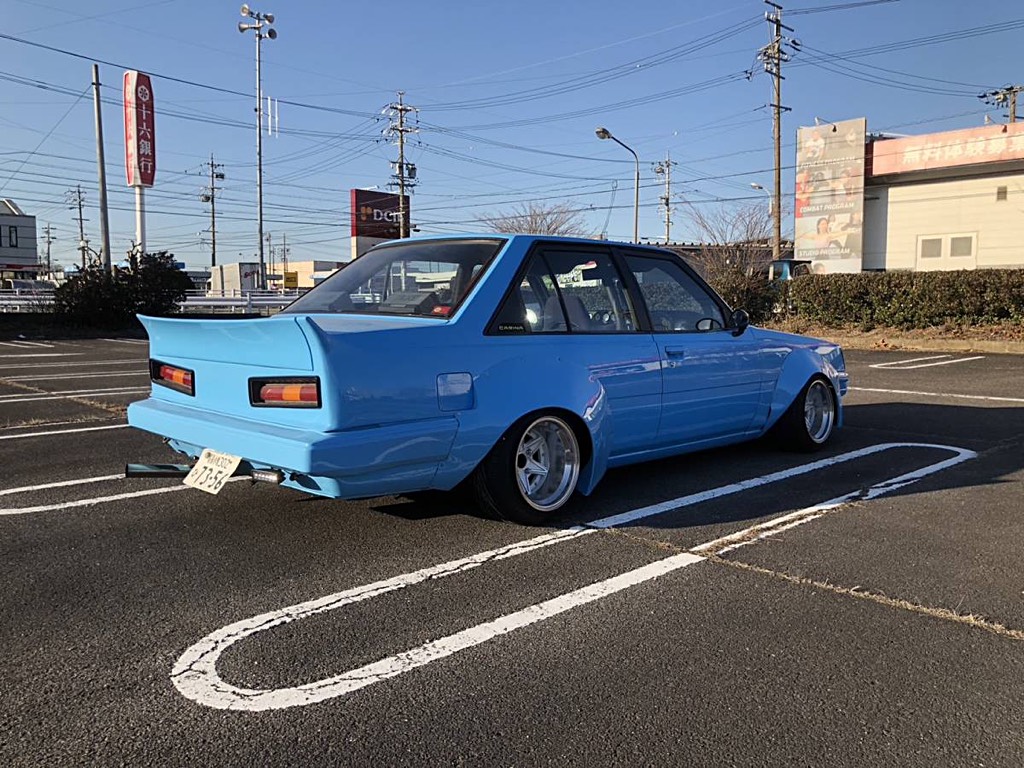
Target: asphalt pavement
745, 606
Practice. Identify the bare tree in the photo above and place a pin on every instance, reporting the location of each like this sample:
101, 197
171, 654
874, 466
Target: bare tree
539, 219
732, 238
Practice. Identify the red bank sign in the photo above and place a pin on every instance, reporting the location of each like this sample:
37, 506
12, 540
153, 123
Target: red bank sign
139, 130
988, 144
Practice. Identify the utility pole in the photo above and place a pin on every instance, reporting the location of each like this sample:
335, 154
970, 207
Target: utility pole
284, 254
49, 239
1004, 97
774, 57
665, 168
270, 253
405, 173
101, 170
209, 195
76, 197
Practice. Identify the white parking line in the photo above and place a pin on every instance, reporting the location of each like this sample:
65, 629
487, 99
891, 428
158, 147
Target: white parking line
939, 394
60, 432
35, 398
76, 364
61, 484
903, 365
195, 674
43, 354
30, 395
61, 376
126, 341
25, 344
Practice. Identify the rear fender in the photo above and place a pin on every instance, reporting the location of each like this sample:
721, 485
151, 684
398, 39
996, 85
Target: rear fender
800, 365
508, 391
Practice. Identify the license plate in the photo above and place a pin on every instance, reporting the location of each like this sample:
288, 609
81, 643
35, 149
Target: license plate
212, 470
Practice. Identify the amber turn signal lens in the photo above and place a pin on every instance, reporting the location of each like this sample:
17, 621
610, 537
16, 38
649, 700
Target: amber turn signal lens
288, 393
180, 379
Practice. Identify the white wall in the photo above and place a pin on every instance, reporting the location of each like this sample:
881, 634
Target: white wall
966, 210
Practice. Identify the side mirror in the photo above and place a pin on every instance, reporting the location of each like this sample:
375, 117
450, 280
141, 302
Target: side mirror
739, 320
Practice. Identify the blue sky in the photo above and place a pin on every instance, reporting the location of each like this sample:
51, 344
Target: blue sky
509, 95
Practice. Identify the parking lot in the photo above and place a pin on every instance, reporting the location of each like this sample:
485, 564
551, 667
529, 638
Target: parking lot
744, 606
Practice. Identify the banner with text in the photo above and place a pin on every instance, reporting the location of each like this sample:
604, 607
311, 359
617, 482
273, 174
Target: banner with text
829, 207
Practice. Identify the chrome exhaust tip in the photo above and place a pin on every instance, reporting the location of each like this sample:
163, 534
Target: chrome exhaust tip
275, 476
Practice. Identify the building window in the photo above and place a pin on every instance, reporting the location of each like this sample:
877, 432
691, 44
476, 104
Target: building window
962, 245
930, 247
12, 237
1000, 193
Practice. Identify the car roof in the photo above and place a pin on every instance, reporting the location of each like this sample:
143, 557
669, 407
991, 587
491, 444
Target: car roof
525, 237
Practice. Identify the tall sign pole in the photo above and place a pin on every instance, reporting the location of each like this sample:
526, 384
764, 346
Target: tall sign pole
101, 169
139, 146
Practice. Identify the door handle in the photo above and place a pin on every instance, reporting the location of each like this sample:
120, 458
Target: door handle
674, 356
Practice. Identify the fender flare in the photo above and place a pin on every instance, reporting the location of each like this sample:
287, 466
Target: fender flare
798, 368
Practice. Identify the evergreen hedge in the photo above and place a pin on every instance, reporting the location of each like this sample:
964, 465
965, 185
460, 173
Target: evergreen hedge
909, 300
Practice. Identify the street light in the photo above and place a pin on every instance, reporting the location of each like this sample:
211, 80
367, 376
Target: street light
771, 207
604, 133
261, 22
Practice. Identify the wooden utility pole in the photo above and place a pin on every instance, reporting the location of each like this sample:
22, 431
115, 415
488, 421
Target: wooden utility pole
773, 57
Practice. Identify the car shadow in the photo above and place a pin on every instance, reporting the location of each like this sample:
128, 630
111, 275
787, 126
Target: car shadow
630, 488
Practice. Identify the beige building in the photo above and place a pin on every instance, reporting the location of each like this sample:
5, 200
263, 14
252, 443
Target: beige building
945, 201
301, 274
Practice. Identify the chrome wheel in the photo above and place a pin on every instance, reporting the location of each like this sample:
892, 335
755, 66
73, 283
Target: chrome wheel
547, 463
819, 411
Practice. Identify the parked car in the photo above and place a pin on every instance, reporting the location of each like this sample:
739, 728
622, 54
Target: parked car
522, 366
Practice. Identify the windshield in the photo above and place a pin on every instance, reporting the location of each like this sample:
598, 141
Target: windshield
423, 278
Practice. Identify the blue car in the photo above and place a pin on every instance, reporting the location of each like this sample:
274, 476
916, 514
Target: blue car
520, 366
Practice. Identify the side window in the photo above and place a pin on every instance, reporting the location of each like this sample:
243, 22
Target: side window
568, 291
675, 301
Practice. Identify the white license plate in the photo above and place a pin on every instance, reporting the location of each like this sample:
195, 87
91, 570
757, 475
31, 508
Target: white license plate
212, 470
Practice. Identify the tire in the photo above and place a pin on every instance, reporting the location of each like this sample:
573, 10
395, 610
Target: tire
810, 421
530, 475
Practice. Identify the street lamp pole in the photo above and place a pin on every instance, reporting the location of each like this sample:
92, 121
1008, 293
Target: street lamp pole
604, 133
260, 21
771, 200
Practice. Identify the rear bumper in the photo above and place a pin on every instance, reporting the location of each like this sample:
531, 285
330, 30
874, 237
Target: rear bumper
372, 461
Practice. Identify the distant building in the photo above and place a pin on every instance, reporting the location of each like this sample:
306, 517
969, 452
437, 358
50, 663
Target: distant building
939, 201
18, 255
300, 274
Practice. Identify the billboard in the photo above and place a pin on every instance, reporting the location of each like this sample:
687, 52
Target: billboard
829, 211
139, 130
988, 144
376, 214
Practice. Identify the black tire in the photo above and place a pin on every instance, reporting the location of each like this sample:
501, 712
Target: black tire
502, 482
809, 423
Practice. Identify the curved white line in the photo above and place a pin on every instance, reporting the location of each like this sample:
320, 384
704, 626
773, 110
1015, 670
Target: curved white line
195, 674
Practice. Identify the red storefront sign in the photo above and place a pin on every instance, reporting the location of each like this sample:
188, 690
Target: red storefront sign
139, 130
988, 144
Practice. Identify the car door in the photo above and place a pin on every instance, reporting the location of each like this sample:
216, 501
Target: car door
713, 382
570, 304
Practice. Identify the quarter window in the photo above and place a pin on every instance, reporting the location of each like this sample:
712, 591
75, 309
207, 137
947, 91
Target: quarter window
567, 291
675, 301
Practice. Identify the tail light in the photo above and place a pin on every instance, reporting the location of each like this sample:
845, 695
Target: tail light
288, 392
181, 379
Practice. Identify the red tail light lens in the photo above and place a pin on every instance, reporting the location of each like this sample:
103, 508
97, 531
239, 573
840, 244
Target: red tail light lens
285, 393
181, 379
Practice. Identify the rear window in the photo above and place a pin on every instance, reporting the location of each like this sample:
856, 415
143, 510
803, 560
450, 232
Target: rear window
424, 278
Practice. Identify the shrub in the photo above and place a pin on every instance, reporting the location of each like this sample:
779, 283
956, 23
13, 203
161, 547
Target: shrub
910, 299
95, 297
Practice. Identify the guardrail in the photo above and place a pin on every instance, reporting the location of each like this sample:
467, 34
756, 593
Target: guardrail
195, 301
